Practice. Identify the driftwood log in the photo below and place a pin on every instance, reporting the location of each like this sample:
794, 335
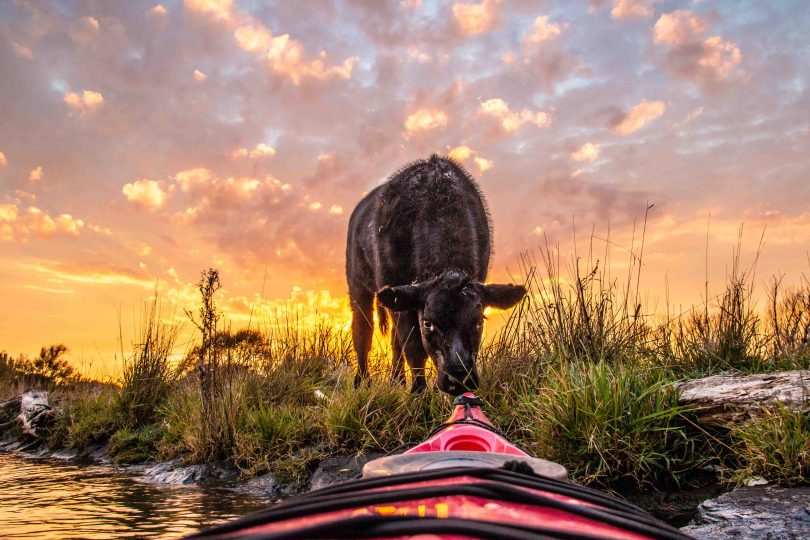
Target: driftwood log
31, 411
724, 400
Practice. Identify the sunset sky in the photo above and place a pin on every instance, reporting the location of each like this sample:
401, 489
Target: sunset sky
141, 143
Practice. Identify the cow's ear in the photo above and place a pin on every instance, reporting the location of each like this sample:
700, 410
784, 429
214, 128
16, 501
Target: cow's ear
502, 296
402, 298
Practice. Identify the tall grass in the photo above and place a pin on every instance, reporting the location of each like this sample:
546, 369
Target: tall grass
147, 374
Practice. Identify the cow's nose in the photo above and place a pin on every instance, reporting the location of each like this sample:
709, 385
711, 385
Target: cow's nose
462, 377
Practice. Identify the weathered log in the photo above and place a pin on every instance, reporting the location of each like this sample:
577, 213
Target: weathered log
724, 400
31, 410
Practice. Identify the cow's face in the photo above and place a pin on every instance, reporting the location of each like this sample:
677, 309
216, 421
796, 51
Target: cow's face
451, 316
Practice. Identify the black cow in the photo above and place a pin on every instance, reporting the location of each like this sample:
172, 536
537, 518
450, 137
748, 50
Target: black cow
422, 242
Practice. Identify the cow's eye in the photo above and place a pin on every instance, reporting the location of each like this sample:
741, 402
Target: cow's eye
428, 325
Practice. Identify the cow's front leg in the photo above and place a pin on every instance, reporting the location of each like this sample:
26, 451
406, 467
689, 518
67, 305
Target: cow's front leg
411, 342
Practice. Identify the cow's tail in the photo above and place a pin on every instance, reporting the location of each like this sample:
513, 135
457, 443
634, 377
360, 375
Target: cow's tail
382, 318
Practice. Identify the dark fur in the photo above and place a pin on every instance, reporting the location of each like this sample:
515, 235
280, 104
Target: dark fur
425, 236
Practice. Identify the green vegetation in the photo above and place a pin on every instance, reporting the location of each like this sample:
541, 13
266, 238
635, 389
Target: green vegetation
579, 374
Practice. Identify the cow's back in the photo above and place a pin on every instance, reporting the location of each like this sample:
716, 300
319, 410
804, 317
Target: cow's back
429, 217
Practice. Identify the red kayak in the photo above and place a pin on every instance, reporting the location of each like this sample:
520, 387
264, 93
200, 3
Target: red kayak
466, 480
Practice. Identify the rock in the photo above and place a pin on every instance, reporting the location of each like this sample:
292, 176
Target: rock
759, 512
174, 472
338, 469
722, 400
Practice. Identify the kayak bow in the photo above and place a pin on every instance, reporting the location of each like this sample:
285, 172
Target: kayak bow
466, 480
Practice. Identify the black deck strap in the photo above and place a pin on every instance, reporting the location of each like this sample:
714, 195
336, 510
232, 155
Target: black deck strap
468, 401
562, 487
372, 526
494, 490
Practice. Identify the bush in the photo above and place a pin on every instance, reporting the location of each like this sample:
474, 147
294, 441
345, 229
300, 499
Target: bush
611, 424
776, 447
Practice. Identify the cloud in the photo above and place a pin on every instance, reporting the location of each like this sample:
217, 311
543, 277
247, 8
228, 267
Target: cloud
36, 174
542, 31
22, 51
513, 120
679, 27
286, 55
719, 57
639, 116
199, 76
483, 164
632, 9
425, 120
145, 193
220, 10
3, 160
261, 150
17, 226
689, 117
190, 179
587, 152
158, 10
86, 101
476, 18
336, 210
91, 274
702, 61
464, 152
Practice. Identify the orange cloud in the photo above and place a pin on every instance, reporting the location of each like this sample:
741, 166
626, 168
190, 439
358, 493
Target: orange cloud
703, 61
587, 152
3, 160
221, 10
18, 227
145, 193
513, 120
158, 10
199, 76
632, 9
192, 178
679, 27
719, 57
542, 31
259, 151
22, 51
464, 152
36, 175
639, 116
425, 120
476, 18
86, 101
285, 55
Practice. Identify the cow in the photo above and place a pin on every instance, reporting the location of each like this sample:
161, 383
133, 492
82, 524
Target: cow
421, 244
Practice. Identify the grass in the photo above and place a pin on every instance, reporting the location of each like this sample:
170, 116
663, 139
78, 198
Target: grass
579, 374
775, 447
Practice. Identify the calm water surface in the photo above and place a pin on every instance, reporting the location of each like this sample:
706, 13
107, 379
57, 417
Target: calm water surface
48, 499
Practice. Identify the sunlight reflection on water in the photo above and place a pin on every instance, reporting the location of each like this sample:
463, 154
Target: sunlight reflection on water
47, 499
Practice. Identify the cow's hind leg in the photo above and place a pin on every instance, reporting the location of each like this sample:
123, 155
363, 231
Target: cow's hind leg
362, 331
411, 342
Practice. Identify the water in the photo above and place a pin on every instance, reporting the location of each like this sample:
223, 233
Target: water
48, 499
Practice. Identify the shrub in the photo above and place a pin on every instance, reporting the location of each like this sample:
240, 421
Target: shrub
776, 447
612, 424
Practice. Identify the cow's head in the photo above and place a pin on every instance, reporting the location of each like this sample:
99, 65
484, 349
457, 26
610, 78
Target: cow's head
451, 316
